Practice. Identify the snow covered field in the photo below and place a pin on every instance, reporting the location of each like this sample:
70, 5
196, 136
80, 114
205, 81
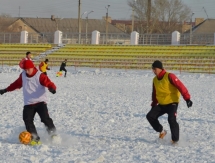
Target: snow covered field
101, 117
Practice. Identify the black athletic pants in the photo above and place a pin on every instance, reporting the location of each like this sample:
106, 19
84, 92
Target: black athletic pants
29, 112
159, 110
63, 69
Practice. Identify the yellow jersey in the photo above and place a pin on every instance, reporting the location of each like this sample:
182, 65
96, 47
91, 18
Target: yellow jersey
166, 93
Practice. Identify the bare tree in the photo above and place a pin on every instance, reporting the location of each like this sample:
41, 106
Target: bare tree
140, 8
164, 16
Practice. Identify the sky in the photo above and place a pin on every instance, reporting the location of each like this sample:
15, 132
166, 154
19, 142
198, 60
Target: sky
118, 9
202, 8
100, 116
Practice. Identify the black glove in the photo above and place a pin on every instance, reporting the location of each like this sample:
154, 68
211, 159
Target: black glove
189, 103
2, 91
48, 68
52, 90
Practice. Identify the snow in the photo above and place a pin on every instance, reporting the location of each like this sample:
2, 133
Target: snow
100, 116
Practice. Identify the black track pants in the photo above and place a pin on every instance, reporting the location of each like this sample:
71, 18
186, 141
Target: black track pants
159, 110
29, 112
63, 69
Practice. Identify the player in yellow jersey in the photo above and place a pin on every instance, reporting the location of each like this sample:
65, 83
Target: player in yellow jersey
165, 98
43, 67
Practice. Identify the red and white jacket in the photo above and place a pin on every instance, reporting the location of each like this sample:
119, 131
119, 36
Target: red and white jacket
32, 94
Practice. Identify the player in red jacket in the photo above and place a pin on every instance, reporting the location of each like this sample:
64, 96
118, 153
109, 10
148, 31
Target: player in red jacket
165, 98
34, 83
28, 57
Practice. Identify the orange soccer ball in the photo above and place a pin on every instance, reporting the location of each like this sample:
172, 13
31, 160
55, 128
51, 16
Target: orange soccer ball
59, 73
25, 137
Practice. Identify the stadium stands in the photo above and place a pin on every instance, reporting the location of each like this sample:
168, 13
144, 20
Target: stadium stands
183, 58
11, 54
190, 58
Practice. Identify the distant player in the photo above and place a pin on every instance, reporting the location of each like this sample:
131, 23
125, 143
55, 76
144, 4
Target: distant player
44, 66
28, 57
62, 67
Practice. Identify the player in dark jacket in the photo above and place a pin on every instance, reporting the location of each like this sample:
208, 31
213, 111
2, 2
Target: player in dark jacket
62, 67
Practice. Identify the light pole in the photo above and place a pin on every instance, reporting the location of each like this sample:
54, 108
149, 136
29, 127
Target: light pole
79, 22
87, 25
107, 23
80, 27
57, 21
53, 19
191, 26
132, 28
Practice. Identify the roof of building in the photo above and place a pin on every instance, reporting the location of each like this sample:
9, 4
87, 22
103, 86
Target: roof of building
126, 22
69, 25
206, 27
5, 22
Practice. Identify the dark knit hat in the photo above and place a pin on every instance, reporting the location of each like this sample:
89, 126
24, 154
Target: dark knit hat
157, 64
28, 64
46, 60
28, 53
